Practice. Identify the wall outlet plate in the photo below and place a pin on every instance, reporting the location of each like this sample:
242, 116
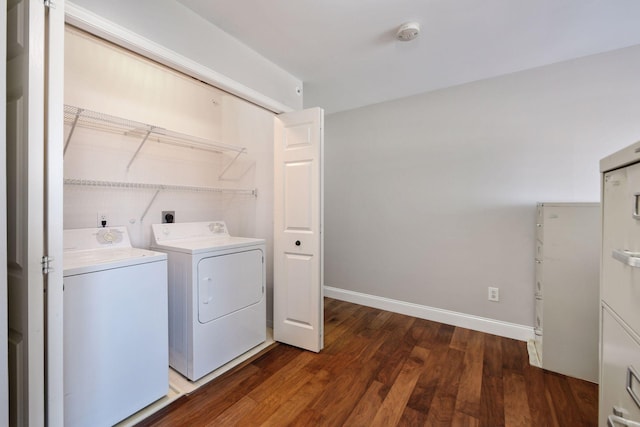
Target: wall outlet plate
494, 294
100, 217
168, 217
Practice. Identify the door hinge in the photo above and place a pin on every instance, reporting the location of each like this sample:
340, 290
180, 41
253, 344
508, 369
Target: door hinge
51, 4
47, 264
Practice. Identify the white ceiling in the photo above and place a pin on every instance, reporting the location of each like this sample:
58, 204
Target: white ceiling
346, 54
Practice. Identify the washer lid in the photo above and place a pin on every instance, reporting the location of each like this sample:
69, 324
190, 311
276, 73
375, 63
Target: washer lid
93, 260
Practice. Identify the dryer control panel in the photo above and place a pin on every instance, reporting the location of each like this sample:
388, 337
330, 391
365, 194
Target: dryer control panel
189, 230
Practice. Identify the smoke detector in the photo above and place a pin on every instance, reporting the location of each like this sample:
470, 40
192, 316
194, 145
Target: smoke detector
408, 31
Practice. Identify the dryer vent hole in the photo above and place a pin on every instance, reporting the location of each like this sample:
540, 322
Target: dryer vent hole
168, 217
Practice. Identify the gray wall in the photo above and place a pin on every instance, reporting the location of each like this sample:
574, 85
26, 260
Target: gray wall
431, 199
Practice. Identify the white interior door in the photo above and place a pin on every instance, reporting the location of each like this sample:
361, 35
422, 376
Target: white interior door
298, 215
33, 124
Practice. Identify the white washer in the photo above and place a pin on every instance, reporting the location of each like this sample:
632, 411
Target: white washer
217, 308
115, 327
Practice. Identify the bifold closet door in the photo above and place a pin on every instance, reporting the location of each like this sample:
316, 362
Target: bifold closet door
298, 213
35, 52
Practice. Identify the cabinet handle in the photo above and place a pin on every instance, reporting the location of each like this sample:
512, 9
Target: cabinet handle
631, 375
627, 257
615, 421
636, 214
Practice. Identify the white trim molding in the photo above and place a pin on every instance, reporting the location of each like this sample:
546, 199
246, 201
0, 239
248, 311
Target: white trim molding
469, 321
101, 27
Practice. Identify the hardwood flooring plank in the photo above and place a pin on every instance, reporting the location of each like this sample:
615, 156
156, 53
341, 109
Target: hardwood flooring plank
492, 402
492, 356
541, 413
208, 400
232, 415
394, 403
463, 420
427, 384
288, 412
399, 323
278, 396
368, 405
443, 403
349, 386
459, 339
470, 387
516, 405
444, 335
341, 325
283, 378
585, 394
428, 338
514, 355
411, 418
566, 408
380, 320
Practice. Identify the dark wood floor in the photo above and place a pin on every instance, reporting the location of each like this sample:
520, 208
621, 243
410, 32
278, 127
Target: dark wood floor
383, 369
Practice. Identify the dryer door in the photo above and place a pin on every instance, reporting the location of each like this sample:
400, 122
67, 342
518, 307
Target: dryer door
228, 283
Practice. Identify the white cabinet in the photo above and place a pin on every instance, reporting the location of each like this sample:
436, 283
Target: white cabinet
620, 289
566, 288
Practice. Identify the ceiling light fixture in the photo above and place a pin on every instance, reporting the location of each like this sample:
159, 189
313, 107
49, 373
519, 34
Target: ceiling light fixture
408, 31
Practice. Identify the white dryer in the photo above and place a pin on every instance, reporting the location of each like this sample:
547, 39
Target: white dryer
115, 327
217, 307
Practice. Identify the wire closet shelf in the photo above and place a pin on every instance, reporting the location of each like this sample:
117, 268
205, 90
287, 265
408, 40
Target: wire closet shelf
80, 117
158, 188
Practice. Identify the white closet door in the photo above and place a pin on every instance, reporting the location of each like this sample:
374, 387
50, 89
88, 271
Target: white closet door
298, 213
4, 362
34, 52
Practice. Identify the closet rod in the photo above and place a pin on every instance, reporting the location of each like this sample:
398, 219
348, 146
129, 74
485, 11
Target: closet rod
144, 186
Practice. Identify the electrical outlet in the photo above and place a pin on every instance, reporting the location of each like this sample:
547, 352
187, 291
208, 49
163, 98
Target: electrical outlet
494, 294
168, 216
102, 219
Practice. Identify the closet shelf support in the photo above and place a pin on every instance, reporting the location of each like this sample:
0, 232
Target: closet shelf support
153, 199
146, 136
221, 176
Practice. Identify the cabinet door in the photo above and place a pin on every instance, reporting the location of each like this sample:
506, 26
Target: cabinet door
621, 243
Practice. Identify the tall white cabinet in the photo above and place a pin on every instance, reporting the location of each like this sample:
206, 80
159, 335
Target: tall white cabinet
620, 289
567, 275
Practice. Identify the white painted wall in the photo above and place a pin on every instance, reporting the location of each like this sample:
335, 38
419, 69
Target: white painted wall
431, 199
175, 27
110, 80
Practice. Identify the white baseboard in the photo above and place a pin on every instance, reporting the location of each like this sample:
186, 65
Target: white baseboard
477, 323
